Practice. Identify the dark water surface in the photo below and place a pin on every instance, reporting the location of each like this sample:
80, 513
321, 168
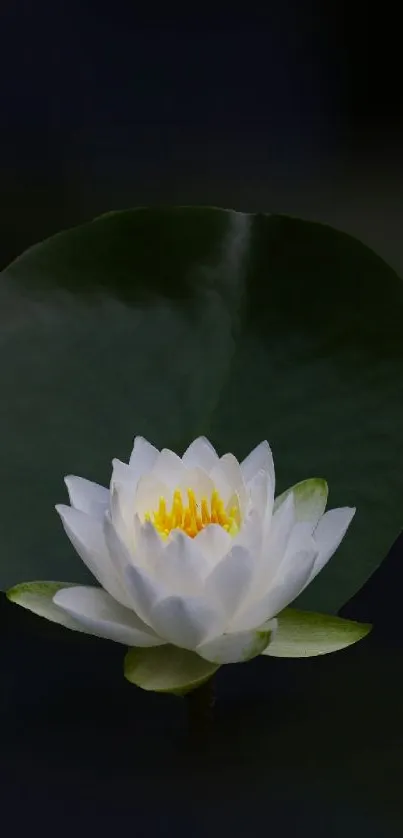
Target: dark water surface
310, 746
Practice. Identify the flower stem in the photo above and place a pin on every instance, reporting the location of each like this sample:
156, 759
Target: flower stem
200, 706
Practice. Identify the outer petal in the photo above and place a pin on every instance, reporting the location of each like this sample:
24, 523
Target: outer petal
229, 581
122, 473
137, 570
200, 453
238, 647
119, 553
102, 616
286, 587
87, 496
261, 494
87, 537
143, 456
144, 591
185, 621
328, 535
261, 458
275, 545
310, 497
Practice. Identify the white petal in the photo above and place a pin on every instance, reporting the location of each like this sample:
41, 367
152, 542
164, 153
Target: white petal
229, 581
122, 473
328, 535
168, 468
300, 539
185, 621
261, 458
261, 494
228, 479
285, 589
147, 497
102, 616
180, 565
239, 646
250, 534
123, 487
148, 545
144, 591
120, 556
122, 511
199, 481
143, 456
87, 537
200, 453
281, 527
213, 542
87, 496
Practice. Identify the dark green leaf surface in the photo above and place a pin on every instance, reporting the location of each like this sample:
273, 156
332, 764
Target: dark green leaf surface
172, 323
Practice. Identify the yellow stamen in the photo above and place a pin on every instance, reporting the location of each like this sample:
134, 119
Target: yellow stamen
194, 516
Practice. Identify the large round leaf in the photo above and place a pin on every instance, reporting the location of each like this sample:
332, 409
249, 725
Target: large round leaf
172, 323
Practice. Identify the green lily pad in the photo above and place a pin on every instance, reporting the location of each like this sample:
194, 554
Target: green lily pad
167, 669
172, 323
303, 634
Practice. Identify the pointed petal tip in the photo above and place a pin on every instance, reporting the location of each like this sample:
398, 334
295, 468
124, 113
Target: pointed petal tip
61, 508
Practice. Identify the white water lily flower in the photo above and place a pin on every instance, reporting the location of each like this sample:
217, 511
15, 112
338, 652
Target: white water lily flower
193, 551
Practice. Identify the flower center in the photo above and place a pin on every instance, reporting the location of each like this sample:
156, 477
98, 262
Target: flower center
193, 517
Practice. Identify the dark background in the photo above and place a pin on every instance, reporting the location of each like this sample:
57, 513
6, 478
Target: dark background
296, 110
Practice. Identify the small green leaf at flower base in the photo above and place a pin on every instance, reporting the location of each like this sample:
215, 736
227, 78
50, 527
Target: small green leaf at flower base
310, 498
304, 634
167, 669
38, 598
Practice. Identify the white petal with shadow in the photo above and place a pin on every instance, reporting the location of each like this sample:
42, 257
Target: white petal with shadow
329, 534
87, 496
260, 459
185, 621
200, 454
179, 565
275, 545
147, 497
261, 494
197, 480
168, 468
144, 591
239, 646
285, 588
87, 537
101, 615
122, 473
143, 456
214, 543
228, 479
229, 582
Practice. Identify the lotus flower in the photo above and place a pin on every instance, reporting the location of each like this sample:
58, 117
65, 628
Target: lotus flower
193, 551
